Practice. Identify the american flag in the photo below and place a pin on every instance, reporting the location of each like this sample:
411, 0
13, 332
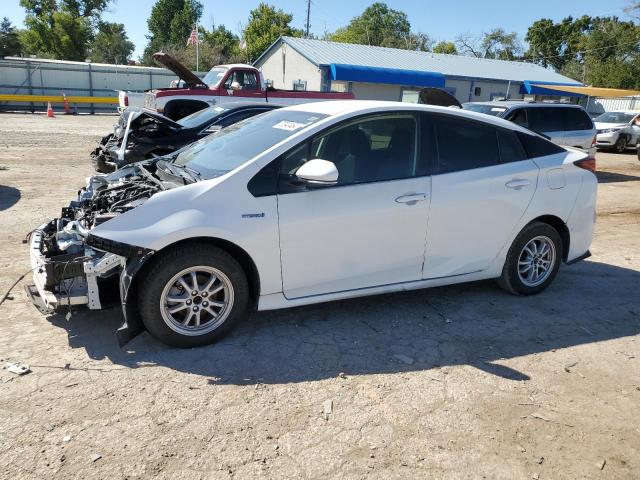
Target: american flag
193, 38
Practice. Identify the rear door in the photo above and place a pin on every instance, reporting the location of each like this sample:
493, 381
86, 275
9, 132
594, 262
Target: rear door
483, 185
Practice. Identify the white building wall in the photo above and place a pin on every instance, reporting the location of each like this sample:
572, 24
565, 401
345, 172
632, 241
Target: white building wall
376, 91
285, 65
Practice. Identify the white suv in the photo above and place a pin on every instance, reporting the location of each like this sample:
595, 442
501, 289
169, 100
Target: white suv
618, 130
312, 203
564, 124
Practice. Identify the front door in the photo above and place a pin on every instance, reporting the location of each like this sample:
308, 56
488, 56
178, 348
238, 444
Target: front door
370, 228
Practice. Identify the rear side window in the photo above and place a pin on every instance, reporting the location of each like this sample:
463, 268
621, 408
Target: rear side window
545, 119
537, 146
511, 149
576, 119
465, 144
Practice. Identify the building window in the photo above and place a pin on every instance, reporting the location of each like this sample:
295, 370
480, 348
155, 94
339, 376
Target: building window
300, 85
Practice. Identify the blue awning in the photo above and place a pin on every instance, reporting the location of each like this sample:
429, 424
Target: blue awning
533, 87
392, 76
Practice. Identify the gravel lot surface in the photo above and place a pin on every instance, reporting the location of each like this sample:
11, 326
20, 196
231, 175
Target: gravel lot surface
453, 382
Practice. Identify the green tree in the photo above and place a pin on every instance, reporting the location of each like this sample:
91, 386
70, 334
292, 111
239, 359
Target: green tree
111, 44
60, 28
266, 24
170, 24
445, 47
555, 44
494, 44
9, 41
225, 41
378, 25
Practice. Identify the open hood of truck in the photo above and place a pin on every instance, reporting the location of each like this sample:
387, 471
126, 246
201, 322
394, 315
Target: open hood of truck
191, 79
437, 96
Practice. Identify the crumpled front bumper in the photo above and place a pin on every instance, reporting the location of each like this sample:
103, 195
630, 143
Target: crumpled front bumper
69, 281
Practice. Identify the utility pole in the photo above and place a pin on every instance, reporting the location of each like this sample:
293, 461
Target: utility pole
308, 18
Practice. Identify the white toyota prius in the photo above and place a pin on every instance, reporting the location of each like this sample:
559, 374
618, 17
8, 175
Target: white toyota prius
313, 203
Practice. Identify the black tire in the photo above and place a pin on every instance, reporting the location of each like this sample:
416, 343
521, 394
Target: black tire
510, 280
621, 144
176, 260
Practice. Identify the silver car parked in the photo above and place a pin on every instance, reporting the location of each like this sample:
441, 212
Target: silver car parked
565, 124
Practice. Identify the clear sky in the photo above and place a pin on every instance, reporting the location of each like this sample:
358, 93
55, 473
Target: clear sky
442, 20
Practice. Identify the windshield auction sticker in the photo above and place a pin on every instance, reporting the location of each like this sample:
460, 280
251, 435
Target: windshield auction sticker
289, 126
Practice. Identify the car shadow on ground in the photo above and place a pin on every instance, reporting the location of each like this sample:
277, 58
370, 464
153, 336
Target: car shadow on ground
475, 324
9, 196
611, 177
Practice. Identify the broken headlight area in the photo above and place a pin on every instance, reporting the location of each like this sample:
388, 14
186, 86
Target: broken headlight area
73, 267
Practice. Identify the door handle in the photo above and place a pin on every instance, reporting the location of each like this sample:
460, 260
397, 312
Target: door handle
411, 198
517, 183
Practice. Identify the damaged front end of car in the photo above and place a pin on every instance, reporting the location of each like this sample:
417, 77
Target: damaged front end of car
73, 267
134, 139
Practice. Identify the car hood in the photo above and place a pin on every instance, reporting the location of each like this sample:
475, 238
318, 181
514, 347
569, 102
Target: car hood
137, 113
602, 126
191, 79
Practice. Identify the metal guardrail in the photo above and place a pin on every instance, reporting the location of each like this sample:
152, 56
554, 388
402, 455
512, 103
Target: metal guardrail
56, 99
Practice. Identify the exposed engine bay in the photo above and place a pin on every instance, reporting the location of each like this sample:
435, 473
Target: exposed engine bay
132, 139
72, 267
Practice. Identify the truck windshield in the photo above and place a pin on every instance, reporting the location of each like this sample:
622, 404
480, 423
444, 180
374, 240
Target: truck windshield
235, 145
214, 76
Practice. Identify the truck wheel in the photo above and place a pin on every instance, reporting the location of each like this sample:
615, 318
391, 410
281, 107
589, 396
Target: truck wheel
193, 295
533, 260
621, 144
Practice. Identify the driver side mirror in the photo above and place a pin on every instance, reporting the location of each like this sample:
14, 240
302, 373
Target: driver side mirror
318, 172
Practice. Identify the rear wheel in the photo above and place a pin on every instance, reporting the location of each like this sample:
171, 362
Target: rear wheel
533, 260
193, 295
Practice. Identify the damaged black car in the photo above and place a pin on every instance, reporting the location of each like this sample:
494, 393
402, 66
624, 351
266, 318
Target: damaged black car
142, 134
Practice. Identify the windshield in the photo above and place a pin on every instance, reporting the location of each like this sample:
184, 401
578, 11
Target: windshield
201, 116
214, 76
235, 145
487, 109
615, 117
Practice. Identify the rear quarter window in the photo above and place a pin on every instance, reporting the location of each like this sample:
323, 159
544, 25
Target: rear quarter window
576, 119
537, 146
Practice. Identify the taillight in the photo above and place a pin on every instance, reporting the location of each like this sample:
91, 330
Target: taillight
126, 101
594, 141
587, 164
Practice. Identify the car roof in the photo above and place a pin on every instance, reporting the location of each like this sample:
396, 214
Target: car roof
237, 105
350, 107
522, 103
627, 112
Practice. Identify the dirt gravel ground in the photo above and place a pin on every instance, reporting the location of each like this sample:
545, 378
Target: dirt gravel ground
455, 382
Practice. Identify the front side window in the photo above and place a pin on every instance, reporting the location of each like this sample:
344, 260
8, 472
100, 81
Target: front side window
465, 144
246, 79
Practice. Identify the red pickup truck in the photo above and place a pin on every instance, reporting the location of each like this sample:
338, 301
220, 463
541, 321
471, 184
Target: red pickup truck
223, 84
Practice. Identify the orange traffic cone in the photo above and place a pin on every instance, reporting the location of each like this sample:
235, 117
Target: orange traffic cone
67, 110
50, 110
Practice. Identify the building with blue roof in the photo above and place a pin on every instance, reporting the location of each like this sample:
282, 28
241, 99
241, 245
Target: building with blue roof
380, 73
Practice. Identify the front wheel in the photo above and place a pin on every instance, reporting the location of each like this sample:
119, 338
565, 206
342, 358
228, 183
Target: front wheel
533, 260
192, 295
621, 144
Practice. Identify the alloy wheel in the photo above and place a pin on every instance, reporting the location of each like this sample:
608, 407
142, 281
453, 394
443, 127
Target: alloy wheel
196, 300
536, 261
